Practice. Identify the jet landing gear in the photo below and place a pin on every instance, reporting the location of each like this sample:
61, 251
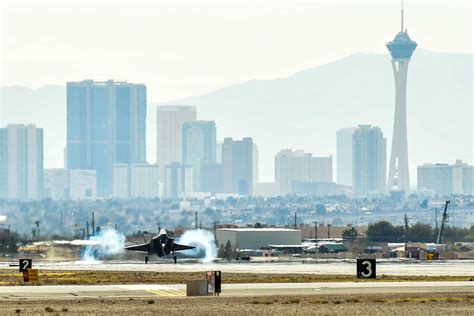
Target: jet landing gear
146, 259
175, 259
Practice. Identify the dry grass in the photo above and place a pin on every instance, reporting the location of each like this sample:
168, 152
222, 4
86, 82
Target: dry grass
374, 304
11, 277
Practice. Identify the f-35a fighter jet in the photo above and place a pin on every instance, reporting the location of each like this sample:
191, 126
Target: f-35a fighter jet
161, 245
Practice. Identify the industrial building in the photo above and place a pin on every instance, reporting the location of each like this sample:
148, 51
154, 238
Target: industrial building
256, 238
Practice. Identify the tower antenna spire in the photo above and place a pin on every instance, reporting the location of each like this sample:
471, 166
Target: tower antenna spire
403, 9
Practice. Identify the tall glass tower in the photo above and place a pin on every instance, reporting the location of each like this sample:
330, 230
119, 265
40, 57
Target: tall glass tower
401, 49
106, 124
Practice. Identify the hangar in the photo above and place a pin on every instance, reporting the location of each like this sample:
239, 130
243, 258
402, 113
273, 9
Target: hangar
256, 238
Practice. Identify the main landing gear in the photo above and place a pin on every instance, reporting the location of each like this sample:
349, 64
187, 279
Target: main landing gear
146, 259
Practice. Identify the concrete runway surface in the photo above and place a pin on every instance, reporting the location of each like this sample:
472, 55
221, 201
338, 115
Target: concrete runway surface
319, 267
229, 290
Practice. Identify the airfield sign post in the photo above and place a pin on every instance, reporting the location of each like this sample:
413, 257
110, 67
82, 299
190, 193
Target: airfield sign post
366, 269
213, 282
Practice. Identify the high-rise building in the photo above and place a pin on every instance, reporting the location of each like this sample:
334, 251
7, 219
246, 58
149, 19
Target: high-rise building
298, 166
369, 161
106, 124
178, 180
401, 50
444, 179
121, 181
70, 184
169, 131
145, 181
82, 184
219, 151
212, 179
344, 155
199, 144
21, 162
240, 166
137, 181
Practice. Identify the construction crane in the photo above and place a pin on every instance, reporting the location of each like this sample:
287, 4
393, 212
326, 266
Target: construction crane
443, 221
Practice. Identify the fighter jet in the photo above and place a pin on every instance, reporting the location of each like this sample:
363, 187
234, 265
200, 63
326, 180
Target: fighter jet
161, 245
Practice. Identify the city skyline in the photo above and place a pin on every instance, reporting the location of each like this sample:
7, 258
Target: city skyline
266, 177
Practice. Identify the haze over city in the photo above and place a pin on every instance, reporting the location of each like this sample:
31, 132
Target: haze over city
276, 152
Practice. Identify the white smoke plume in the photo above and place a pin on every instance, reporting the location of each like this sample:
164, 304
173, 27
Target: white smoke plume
204, 242
104, 245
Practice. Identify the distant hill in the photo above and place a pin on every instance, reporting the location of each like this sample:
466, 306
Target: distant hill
304, 111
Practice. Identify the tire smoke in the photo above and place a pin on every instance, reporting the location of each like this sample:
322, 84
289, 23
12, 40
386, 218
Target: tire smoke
204, 242
104, 245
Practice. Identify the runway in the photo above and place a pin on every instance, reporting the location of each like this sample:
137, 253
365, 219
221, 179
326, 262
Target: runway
9, 293
318, 267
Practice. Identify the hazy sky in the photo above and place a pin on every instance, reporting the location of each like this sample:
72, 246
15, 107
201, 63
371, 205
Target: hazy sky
182, 48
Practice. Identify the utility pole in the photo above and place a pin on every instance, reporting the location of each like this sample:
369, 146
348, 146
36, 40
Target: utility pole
61, 222
159, 227
316, 230
37, 223
215, 230
93, 225
295, 220
87, 229
196, 220
436, 219
406, 229
329, 231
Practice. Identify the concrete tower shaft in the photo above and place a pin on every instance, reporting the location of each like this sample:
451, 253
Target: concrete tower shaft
401, 49
398, 175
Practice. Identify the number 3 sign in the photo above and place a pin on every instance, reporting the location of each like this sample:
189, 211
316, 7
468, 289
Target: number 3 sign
366, 268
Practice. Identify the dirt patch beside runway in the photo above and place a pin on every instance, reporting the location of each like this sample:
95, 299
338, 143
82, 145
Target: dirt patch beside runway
376, 304
46, 277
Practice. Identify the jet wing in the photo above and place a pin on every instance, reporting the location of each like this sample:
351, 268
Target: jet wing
178, 247
139, 248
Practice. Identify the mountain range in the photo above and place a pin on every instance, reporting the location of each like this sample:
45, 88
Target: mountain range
304, 110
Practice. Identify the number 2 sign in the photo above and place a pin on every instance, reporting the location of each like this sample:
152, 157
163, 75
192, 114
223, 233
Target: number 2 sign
25, 264
366, 269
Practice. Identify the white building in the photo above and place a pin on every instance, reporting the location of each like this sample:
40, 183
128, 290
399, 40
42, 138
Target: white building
121, 181
256, 238
446, 179
73, 184
298, 166
145, 181
56, 184
137, 181
344, 155
169, 124
369, 161
178, 180
265, 189
21, 162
